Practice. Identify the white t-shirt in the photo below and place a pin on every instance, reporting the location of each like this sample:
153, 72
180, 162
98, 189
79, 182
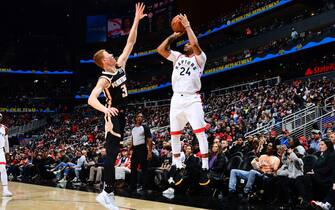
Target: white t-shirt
187, 72
138, 135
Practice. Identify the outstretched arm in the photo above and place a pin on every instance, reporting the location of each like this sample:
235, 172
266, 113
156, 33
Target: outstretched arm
95, 103
164, 48
191, 36
6, 142
132, 35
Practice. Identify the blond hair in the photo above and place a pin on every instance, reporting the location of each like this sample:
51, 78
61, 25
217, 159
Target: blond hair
98, 56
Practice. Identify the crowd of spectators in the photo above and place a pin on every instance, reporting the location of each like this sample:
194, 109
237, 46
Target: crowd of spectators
71, 148
274, 47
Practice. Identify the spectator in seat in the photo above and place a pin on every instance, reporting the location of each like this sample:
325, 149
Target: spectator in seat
321, 178
292, 167
238, 146
122, 165
217, 162
295, 144
332, 138
264, 166
314, 143
97, 168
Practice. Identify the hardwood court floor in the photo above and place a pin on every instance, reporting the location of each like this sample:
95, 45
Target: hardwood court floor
36, 197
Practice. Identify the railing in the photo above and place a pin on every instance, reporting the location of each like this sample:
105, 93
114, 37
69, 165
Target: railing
329, 101
305, 129
301, 113
158, 103
291, 121
17, 130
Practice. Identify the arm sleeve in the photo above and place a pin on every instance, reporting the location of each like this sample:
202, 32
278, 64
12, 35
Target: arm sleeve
201, 59
174, 55
6, 144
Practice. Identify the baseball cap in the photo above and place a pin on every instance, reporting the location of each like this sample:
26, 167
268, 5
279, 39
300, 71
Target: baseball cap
316, 131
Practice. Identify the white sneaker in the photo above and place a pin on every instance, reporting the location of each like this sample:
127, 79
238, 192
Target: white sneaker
169, 196
171, 181
56, 172
6, 193
62, 180
170, 191
323, 206
107, 200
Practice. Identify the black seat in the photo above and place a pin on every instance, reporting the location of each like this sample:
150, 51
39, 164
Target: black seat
248, 154
246, 164
233, 163
240, 154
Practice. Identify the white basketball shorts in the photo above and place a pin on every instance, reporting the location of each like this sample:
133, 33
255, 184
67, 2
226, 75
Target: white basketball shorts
186, 108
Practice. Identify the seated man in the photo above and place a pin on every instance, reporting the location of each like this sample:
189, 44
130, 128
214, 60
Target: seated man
263, 166
122, 165
97, 168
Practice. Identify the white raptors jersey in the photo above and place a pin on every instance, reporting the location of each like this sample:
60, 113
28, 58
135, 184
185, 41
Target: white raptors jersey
3, 134
187, 72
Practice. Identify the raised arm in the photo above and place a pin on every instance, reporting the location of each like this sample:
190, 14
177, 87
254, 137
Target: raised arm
190, 34
164, 48
132, 35
6, 141
95, 103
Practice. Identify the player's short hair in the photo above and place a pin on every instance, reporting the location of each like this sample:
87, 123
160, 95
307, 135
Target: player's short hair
98, 56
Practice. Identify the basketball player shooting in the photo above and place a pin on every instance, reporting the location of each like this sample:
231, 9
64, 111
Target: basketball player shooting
112, 83
186, 103
4, 148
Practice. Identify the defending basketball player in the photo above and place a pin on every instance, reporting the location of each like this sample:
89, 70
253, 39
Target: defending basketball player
4, 148
112, 83
186, 103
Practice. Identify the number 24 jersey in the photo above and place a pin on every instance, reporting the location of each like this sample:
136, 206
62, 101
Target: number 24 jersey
187, 72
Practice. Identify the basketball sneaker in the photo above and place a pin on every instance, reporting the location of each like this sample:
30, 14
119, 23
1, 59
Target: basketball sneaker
321, 205
170, 190
7, 193
107, 200
179, 176
204, 179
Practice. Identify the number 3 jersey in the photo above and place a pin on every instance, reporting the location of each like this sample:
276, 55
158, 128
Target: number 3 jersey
116, 93
187, 72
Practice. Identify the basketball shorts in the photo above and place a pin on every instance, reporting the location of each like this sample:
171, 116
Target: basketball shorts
186, 108
2, 156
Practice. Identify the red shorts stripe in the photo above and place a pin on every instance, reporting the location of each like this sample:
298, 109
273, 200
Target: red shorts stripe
2, 163
202, 129
173, 133
199, 130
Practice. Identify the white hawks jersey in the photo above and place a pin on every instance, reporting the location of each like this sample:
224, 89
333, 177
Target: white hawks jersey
187, 72
3, 134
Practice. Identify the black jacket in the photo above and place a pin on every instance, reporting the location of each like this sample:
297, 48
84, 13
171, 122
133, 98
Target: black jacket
219, 164
325, 168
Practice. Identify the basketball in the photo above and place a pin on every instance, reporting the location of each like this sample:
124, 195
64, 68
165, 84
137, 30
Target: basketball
176, 25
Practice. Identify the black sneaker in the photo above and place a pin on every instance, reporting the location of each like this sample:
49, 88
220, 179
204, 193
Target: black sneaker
179, 176
204, 179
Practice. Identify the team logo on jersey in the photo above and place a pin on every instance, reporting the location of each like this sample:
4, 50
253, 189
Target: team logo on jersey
119, 81
185, 66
